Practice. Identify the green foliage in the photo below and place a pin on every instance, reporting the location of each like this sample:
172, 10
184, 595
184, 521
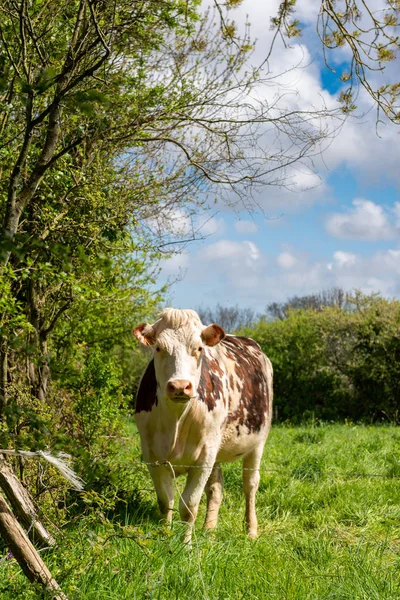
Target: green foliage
302, 380
371, 38
77, 272
97, 395
363, 346
336, 363
13, 321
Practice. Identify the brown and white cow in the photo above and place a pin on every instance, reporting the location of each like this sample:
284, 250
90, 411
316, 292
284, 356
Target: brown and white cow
204, 399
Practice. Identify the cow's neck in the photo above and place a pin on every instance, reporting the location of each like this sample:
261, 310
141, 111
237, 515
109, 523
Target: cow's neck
176, 410
175, 423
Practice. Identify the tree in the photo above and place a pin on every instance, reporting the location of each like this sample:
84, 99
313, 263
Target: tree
335, 362
231, 318
371, 34
114, 115
334, 297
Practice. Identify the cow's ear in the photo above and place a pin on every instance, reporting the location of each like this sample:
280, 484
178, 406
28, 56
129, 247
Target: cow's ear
145, 334
212, 335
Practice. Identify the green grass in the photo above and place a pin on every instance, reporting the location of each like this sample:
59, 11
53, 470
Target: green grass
329, 529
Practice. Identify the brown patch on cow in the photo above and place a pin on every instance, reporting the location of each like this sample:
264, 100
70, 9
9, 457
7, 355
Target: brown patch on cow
212, 335
214, 366
240, 340
147, 393
251, 381
210, 388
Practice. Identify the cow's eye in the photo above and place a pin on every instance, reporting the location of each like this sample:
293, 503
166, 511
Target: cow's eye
158, 349
200, 348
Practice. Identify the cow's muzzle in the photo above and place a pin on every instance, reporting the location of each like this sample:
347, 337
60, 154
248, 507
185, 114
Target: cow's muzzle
179, 390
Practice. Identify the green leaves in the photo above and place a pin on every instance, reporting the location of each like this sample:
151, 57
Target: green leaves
284, 20
88, 101
336, 363
372, 39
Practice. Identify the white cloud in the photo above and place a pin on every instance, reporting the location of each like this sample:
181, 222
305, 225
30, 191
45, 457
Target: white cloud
173, 221
344, 259
228, 265
253, 251
206, 225
245, 227
239, 273
396, 211
379, 272
302, 193
295, 84
286, 260
229, 251
305, 180
296, 72
176, 265
366, 221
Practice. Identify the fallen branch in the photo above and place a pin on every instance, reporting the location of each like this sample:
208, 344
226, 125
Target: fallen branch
23, 505
19, 497
24, 552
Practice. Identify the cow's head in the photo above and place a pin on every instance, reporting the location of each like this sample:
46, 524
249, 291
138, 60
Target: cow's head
178, 338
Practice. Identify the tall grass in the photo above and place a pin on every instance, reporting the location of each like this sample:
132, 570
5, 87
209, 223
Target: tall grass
329, 515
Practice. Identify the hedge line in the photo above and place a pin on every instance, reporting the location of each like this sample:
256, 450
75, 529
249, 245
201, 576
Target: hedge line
335, 363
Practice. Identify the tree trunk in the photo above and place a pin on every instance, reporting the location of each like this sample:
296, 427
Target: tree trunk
3, 376
43, 370
23, 505
25, 553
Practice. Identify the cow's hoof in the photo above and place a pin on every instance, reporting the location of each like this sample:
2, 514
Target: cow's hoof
187, 543
253, 535
210, 534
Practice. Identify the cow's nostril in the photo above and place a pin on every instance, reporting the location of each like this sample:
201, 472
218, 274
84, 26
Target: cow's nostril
179, 387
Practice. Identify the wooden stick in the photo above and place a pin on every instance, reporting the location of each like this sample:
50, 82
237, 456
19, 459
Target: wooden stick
22, 504
25, 553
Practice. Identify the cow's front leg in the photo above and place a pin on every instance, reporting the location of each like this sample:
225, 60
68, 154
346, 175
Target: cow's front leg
164, 485
214, 487
191, 496
251, 480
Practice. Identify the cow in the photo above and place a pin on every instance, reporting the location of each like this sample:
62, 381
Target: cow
204, 399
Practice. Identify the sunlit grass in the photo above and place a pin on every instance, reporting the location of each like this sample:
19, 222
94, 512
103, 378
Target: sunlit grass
329, 515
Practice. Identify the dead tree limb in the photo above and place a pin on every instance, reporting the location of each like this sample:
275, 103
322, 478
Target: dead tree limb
25, 553
22, 504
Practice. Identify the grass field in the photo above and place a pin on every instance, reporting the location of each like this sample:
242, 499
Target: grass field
329, 516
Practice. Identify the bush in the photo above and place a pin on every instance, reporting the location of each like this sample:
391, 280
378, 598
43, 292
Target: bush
335, 363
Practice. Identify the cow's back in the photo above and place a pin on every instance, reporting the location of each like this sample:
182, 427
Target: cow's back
249, 383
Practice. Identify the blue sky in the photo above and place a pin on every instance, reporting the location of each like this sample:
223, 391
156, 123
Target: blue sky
344, 232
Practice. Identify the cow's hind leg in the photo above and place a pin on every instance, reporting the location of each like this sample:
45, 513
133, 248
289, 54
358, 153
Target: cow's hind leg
214, 487
251, 480
164, 485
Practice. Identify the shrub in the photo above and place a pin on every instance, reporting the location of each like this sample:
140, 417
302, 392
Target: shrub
335, 363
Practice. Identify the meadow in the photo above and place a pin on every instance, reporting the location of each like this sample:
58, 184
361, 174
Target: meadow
329, 517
